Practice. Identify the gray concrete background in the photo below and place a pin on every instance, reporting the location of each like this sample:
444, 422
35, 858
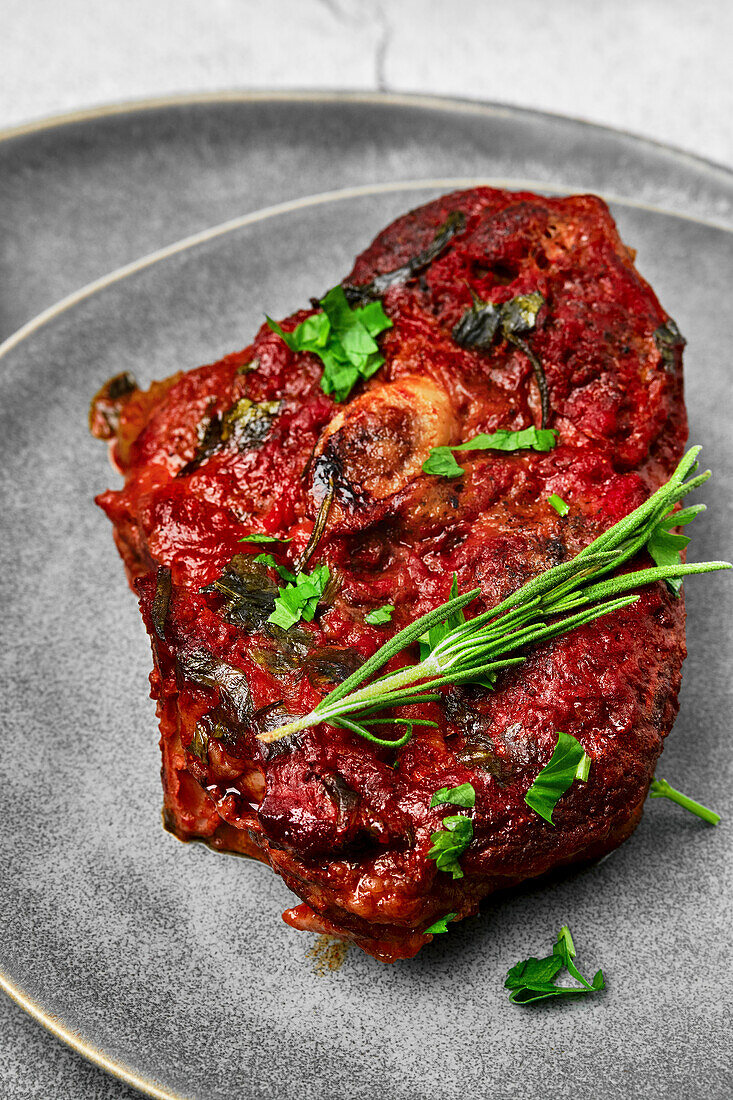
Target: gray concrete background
659, 68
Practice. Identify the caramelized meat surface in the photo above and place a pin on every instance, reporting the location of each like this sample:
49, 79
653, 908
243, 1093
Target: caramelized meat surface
253, 444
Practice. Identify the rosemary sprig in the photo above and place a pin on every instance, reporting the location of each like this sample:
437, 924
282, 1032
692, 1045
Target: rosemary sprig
559, 600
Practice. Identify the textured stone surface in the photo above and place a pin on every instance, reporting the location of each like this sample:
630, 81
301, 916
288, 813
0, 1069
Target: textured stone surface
658, 67
173, 959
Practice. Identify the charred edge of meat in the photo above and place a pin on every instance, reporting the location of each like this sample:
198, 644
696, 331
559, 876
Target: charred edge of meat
246, 423
477, 749
668, 338
107, 404
359, 295
161, 600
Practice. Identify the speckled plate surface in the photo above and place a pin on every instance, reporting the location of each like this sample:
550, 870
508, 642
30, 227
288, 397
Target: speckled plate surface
169, 964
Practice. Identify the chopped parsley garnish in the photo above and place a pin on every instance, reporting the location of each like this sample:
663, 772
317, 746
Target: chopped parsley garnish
664, 547
450, 842
267, 559
441, 462
441, 924
568, 762
344, 340
264, 539
380, 615
558, 504
463, 795
660, 788
534, 979
299, 599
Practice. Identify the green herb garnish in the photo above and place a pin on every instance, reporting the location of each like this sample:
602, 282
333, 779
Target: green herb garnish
380, 615
568, 762
441, 462
559, 505
441, 924
534, 979
264, 539
267, 559
299, 599
564, 597
660, 788
450, 842
344, 340
463, 795
665, 548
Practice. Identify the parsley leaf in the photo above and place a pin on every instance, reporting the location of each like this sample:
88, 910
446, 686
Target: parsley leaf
299, 599
558, 504
568, 762
450, 843
441, 924
664, 547
441, 462
264, 539
343, 338
380, 615
463, 795
267, 559
533, 979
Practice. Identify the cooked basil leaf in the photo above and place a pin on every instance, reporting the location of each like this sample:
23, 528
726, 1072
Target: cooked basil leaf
248, 593
380, 615
519, 315
534, 979
463, 795
480, 323
299, 599
441, 462
558, 504
344, 340
441, 924
159, 610
668, 337
450, 842
478, 326
453, 224
568, 762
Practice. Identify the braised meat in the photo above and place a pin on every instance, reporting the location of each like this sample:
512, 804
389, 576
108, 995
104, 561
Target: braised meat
252, 444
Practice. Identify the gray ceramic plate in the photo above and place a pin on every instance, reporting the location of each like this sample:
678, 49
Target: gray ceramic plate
170, 965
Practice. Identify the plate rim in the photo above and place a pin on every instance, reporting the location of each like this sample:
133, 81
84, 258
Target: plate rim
416, 100
50, 1021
